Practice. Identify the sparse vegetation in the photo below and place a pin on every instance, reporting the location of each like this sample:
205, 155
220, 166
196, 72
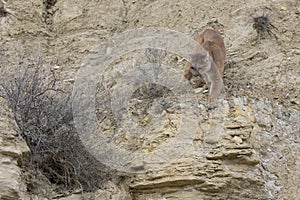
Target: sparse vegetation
41, 105
262, 24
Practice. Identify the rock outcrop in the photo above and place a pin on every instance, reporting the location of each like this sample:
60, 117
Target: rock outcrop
247, 148
12, 148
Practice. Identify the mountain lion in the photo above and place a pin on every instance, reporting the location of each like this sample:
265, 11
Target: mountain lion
208, 60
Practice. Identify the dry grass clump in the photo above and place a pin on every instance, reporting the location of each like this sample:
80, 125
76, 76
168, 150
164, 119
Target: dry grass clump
41, 105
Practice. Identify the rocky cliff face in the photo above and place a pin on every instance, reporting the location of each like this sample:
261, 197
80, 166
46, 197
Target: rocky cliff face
247, 148
11, 149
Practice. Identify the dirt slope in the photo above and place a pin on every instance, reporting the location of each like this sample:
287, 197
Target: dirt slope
247, 148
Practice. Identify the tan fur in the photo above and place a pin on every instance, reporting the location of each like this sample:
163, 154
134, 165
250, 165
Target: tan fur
203, 64
212, 41
208, 60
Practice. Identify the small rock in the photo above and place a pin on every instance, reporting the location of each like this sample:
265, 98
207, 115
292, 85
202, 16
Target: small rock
201, 106
56, 67
282, 8
211, 139
198, 137
183, 105
71, 80
205, 91
295, 101
237, 140
198, 90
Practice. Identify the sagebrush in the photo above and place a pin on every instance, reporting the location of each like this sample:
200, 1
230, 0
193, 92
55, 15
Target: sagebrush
41, 106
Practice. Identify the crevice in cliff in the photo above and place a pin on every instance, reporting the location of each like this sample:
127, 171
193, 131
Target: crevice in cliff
48, 12
125, 15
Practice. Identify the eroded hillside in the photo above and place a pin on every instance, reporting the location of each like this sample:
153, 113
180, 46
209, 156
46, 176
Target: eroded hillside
174, 148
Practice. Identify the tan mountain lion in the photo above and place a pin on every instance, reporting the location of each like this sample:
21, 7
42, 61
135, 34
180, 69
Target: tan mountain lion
208, 60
